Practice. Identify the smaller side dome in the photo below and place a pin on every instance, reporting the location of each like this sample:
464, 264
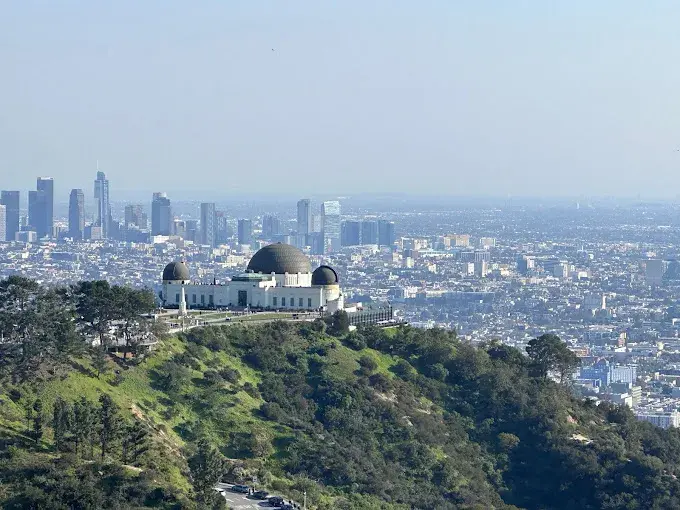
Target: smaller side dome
176, 271
324, 275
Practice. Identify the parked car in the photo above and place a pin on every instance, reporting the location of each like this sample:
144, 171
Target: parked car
243, 489
260, 494
275, 501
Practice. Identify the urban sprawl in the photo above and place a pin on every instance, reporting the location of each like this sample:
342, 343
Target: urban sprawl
603, 276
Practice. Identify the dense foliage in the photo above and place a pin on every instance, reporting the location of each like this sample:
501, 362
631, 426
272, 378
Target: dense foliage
369, 419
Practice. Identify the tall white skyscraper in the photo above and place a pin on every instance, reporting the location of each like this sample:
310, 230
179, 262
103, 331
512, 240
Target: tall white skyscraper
101, 195
330, 225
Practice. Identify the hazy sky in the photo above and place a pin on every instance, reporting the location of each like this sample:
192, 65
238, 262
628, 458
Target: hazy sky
448, 97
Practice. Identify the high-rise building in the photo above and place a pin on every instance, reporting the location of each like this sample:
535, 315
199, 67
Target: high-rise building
101, 195
76, 214
33, 207
654, 270
161, 215
208, 229
10, 199
350, 233
191, 232
369, 232
41, 207
135, 215
179, 228
525, 264
487, 242
385, 233
245, 231
330, 225
316, 223
3, 222
304, 216
222, 233
271, 226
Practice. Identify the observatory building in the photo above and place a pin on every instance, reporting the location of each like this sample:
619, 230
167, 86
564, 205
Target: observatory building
278, 277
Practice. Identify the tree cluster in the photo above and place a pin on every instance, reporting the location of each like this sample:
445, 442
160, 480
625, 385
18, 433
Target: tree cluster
451, 426
41, 328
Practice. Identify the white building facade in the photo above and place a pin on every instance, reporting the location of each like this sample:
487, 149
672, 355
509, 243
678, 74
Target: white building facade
278, 277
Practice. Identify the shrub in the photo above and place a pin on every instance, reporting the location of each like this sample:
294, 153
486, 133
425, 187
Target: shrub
272, 411
355, 341
367, 364
230, 375
251, 390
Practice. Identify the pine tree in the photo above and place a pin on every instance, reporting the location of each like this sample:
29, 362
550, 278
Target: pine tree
207, 467
110, 424
62, 422
37, 420
100, 361
84, 423
135, 441
28, 409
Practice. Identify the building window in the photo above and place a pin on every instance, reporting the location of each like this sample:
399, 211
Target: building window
283, 301
274, 301
177, 298
202, 299
193, 298
309, 302
300, 302
292, 302
210, 299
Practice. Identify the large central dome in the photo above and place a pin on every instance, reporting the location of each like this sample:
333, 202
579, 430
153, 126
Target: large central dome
279, 258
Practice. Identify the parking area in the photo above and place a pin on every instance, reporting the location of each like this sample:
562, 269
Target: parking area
239, 501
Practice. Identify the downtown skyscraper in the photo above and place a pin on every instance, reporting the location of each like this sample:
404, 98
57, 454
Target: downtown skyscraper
304, 217
208, 224
245, 231
41, 207
10, 199
161, 215
76, 214
101, 195
135, 215
330, 225
3, 222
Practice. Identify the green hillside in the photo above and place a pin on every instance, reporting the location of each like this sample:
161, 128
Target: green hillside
373, 419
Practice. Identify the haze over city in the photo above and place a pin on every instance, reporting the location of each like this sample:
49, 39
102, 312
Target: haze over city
448, 98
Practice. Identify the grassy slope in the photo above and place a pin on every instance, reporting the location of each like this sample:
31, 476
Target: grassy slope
133, 391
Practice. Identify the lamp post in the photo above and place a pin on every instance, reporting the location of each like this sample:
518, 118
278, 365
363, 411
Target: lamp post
304, 504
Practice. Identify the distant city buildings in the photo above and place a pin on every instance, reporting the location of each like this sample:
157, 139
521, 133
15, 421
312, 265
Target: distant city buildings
135, 216
386, 235
369, 232
208, 224
358, 233
350, 233
161, 215
304, 217
3, 222
41, 207
10, 199
330, 220
76, 215
271, 226
101, 196
245, 231
654, 271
